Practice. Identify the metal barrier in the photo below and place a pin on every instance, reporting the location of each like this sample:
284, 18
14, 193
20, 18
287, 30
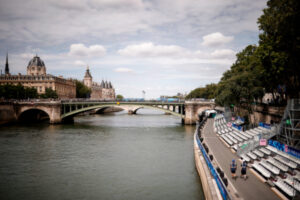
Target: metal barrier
253, 143
220, 184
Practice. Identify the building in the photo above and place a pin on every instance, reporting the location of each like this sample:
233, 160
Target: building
103, 91
38, 78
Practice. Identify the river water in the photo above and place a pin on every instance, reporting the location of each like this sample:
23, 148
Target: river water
113, 156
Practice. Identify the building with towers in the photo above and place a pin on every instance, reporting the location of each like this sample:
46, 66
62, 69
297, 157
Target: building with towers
103, 91
38, 78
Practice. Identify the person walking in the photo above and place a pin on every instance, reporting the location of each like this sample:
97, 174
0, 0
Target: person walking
233, 167
244, 170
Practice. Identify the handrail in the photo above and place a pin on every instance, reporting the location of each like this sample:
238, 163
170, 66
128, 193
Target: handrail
218, 179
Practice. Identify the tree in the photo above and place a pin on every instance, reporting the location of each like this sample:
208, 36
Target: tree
30, 92
82, 91
241, 85
120, 97
49, 93
279, 46
9, 91
208, 92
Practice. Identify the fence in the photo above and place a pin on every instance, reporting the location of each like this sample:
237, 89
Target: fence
255, 142
220, 184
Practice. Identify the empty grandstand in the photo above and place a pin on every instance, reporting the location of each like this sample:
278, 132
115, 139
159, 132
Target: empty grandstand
276, 163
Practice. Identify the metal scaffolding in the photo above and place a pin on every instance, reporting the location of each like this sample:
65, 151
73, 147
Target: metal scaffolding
290, 124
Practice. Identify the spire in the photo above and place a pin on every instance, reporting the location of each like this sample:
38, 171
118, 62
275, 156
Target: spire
6, 65
102, 84
87, 73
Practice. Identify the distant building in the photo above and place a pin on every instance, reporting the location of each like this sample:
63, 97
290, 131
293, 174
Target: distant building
103, 91
38, 78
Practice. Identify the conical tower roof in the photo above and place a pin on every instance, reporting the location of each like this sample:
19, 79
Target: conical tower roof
102, 84
87, 73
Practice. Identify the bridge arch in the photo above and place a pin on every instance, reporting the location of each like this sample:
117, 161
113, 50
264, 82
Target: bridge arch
101, 110
200, 110
131, 108
134, 111
34, 115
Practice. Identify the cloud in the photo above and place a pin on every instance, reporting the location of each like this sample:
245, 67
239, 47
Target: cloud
148, 49
116, 4
223, 53
146, 37
82, 51
216, 39
165, 54
27, 55
80, 63
123, 70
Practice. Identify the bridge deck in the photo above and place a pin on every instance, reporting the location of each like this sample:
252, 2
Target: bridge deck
122, 103
252, 188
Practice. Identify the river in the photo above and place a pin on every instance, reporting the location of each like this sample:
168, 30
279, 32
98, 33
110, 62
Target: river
112, 156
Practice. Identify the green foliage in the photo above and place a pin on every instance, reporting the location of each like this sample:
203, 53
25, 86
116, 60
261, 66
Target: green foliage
82, 91
242, 83
208, 92
120, 97
17, 92
279, 45
49, 93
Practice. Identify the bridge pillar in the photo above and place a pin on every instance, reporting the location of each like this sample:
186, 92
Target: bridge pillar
54, 112
131, 112
55, 117
189, 117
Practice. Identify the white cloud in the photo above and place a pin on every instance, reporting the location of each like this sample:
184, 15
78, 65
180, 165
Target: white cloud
92, 51
53, 26
223, 53
148, 49
216, 39
80, 63
123, 70
27, 55
116, 4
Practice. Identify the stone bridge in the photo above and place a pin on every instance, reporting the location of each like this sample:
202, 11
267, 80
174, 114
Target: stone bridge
60, 111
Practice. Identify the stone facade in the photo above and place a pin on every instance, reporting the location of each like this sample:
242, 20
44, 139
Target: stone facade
36, 77
103, 91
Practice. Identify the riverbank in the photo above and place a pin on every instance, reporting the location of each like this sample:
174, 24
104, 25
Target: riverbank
209, 185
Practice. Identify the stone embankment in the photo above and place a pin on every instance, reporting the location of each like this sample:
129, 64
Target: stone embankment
7, 114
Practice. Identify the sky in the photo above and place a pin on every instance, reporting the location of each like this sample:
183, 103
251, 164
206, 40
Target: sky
162, 47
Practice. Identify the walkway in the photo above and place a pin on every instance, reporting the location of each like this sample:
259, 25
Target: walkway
252, 188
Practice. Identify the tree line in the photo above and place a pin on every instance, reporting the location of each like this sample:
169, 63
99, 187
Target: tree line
9, 91
272, 66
